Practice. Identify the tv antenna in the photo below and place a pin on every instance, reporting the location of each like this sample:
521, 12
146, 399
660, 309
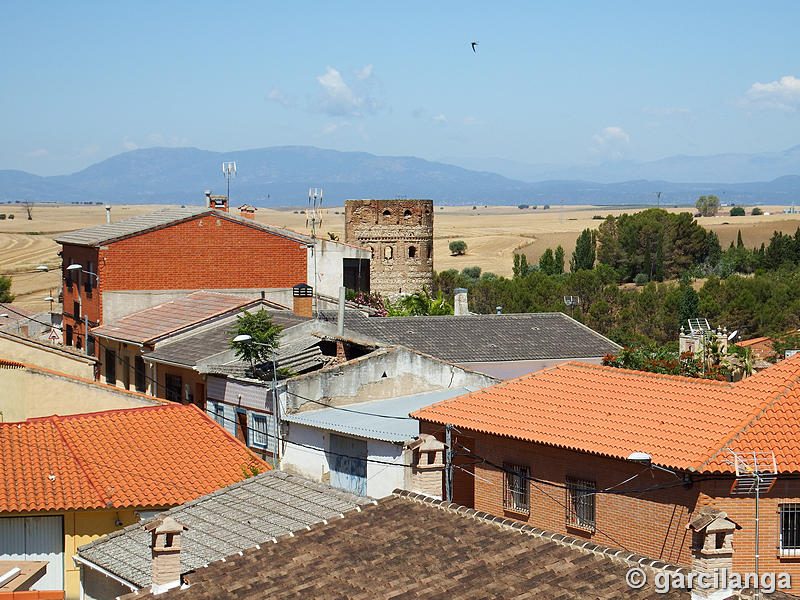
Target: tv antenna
572, 301
756, 471
658, 199
228, 171
314, 216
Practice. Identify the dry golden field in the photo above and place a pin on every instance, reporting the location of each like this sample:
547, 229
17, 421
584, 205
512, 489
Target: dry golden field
492, 235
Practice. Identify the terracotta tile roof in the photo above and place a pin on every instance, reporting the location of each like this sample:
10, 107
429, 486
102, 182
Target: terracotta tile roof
150, 456
750, 342
410, 546
681, 422
152, 323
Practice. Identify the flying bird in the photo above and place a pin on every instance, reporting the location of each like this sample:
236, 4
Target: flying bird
473, 46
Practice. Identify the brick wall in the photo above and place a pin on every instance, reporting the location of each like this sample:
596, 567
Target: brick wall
90, 303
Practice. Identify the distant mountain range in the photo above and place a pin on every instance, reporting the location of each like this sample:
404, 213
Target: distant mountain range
281, 176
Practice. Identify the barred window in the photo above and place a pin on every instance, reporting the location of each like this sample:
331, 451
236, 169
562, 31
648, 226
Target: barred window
258, 432
515, 488
580, 496
790, 529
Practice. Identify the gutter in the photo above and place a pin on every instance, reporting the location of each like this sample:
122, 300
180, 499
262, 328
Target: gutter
82, 561
120, 340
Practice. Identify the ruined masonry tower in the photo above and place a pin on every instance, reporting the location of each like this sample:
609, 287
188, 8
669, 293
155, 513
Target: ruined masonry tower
399, 233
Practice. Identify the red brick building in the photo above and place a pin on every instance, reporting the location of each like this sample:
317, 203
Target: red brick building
146, 260
553, 449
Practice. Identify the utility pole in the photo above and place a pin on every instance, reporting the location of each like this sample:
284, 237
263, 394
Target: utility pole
228, 171
314, 217
448, 462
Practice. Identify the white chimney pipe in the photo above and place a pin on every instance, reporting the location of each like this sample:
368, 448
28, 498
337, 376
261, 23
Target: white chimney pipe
108, 213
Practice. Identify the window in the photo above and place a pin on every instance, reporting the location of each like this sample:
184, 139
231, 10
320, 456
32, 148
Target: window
173, 385
68, 276
388, 252
406, 213
580, 495
90, 345
515, 487
68, 337
412, 252
139, 374
387, 213
76, 310
219, 413
258, 432
111, 367
790, 529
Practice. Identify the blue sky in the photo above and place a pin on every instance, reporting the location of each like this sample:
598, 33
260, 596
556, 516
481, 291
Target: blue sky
556, 82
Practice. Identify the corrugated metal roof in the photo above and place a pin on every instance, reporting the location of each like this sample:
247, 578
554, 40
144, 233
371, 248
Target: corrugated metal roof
351, 419
225, 522
93, 236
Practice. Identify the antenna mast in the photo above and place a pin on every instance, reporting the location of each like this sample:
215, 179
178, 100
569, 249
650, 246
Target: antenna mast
228, 171
314, 216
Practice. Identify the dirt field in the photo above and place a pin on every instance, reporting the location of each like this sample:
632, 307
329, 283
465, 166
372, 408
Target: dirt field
492, 235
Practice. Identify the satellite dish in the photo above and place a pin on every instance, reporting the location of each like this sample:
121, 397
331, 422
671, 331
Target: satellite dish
732, 334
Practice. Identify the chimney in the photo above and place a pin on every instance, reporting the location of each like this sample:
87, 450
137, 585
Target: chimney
108, 213
712, 552
460, 305
302, 296
165, 546
247, 212
217, 202
427, 465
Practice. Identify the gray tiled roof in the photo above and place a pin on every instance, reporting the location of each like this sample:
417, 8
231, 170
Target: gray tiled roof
299, 355
195, 347
354, 420
93, 236
484, 338
225, 522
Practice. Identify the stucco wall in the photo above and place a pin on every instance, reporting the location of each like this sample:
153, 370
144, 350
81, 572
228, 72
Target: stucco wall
330, 269
28, 393
42, 354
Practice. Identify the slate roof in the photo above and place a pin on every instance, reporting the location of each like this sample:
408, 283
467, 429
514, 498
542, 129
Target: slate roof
225, 522
411, 546
102, 234
301, 354
138, 457
152, 323
14, 312
194, 347
484, 338
351, 419
683, 423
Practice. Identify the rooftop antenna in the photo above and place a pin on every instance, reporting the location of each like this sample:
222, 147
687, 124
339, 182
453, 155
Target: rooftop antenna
658, 199
571, 301
314, 216
700, 328
756, 471
228, 171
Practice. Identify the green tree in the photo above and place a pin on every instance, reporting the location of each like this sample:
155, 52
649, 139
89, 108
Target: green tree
713, 249
756, 211
458, 247
559, 259
5, 289
264, 336
421, 303
547, 262
737, 211
585, 249
473, 273
707, 206
688, 306
521, 267
739, 242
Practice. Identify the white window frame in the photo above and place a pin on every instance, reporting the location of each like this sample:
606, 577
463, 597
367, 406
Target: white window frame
256, 431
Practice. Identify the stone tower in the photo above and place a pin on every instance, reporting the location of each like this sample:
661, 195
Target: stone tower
400, 235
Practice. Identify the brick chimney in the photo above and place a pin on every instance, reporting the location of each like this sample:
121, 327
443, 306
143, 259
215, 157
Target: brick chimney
217, 202
460, 305
165, 546
247, 212
427, 465
712, 552
303, 296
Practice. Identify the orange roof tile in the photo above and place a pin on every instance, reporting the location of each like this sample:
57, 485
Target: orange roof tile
750, 342
681, 422
150, 456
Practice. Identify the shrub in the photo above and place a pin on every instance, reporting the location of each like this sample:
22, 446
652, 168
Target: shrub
10, 216
546, 207
757, 211
522, 206
598, 218
471, 272
737, 211
641, 279
2, 216
458, 247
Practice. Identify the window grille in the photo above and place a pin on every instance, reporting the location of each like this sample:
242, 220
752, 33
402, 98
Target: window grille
516, 496
219, 414
258, 431
580, 503
790, 529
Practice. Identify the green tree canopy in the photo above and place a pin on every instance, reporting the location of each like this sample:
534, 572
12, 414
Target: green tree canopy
458, 247
265, 336
737, 211
5, 289
547, 262
559, 259
707, 206
584, 254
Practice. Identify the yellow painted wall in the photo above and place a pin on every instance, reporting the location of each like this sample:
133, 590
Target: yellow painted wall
28, 393
40, 354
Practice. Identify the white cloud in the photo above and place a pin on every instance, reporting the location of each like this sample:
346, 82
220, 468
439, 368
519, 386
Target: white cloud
339, 100
364, 73
37, 153
611, 142
278, 96
470, 120
334, 127
783, 94
440, 119
128, 144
